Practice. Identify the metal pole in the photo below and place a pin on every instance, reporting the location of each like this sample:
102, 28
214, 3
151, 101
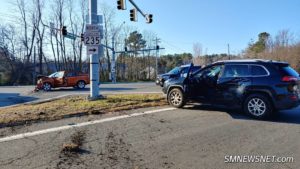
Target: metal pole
228, 51
135, 5
94, 59
113, 63
34, 66
156, 58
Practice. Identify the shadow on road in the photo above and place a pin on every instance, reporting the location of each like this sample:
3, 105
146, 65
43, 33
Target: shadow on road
9, 99
288, 116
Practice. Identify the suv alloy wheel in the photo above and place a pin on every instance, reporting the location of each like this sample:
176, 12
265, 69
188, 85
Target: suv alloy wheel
176, 98
258, 106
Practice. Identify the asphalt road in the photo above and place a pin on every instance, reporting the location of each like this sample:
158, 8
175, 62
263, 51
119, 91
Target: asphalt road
189, 138
11, 95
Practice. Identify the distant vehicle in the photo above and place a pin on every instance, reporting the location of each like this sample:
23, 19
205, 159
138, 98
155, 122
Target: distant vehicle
176, 72
62, 79
258, 87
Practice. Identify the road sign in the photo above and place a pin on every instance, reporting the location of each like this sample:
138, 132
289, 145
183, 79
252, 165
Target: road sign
92, 35
92, 28
92, 50
92, 38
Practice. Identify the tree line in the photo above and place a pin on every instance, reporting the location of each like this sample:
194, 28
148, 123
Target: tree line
29, 47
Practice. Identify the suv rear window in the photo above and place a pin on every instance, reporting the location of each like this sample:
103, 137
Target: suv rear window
258, 71
288, 71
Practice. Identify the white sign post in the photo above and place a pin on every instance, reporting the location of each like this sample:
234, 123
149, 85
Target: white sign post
92, 41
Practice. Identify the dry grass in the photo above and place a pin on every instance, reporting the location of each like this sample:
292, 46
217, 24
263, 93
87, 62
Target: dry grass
77, 105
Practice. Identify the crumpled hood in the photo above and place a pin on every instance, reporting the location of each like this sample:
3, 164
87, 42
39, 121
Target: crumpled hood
41, 76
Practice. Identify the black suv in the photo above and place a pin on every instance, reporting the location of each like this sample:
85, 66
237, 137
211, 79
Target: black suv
259, 87
176, 72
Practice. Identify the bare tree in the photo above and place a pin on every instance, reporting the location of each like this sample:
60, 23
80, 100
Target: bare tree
197, 47
108, 19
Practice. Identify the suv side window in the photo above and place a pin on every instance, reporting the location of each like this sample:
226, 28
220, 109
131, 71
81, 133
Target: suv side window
236, 71
258, 71
210, 72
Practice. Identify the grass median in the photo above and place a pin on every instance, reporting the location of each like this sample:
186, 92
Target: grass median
76, 106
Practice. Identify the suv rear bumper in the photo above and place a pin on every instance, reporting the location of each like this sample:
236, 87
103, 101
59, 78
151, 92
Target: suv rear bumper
288, 102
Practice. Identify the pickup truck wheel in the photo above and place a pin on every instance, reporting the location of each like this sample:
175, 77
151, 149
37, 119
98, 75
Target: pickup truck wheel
176, 98
81, 84
46, 86
258, 106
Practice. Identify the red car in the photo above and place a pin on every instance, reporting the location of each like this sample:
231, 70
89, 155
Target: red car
62, 79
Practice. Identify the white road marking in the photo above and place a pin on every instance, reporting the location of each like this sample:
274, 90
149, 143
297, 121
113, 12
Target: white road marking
56, 129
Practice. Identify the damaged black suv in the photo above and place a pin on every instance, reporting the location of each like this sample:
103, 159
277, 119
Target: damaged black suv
258, 87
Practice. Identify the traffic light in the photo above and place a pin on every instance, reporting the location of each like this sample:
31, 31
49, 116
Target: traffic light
157, 47
133, 16
126, 49
121, 4
82, 37
149, 18
64, 31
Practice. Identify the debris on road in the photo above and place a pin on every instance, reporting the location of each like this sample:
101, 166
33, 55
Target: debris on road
77, 140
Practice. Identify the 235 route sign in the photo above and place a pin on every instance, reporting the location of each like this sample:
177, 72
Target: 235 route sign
92, 39
92, 35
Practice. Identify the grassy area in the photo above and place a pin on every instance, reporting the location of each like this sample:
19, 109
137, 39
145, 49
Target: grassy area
77, 105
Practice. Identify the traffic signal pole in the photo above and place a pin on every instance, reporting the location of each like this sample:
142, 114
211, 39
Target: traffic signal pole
94, 59
113, 63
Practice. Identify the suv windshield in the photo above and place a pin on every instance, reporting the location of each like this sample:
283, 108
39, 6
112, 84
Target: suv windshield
57, 75
176, 70
53, 74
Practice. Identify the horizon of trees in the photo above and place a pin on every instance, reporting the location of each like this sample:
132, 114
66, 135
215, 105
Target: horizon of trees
29, 47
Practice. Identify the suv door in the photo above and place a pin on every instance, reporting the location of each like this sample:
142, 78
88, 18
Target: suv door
232, 83
202, 85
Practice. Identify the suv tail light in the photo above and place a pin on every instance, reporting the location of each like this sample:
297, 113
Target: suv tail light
289, 79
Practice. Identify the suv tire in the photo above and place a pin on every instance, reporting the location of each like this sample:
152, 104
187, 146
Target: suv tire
258, 106
176, 98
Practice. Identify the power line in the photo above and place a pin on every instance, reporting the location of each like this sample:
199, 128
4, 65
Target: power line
173, 46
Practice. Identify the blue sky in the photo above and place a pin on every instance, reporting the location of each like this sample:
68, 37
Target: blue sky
213, 23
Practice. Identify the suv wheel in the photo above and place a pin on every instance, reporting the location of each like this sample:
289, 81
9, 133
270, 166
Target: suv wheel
81, 84
258, 106
176, 98
46, 86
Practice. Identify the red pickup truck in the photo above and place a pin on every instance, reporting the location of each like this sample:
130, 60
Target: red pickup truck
62, 79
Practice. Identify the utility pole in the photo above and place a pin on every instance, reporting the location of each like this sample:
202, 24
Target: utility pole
228, 48
157, 55
34, 65
94, 58
113, 62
